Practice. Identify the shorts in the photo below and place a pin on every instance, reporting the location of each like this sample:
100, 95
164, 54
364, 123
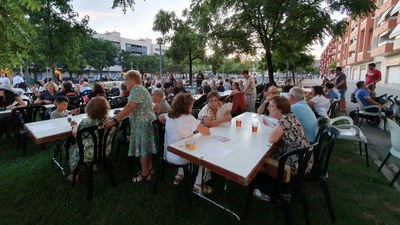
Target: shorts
342, 92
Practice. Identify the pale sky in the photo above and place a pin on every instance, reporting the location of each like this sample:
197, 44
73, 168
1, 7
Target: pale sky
138, 23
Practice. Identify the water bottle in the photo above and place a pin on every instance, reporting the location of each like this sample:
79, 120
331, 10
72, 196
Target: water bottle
69, 117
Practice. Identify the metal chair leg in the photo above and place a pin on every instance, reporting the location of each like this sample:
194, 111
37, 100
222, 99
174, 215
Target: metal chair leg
394, 178
384, 161
359, 147
366, 154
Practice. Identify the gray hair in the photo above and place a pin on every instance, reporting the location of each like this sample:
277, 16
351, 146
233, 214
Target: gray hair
159, 93
297, 93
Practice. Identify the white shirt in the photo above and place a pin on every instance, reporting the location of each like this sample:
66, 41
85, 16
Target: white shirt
177, 129
321, 105
17, 80
4, 81
221, 111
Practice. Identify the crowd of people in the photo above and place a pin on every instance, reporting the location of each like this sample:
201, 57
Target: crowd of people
168, 100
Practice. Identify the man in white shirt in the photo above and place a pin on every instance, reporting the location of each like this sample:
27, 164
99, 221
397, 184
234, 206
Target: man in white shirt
4, 80
17, 79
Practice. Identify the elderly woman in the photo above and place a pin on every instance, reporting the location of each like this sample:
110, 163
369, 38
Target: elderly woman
97, 111
215, 113
161, 105
288, 131
48, 96
140, 112
318, 101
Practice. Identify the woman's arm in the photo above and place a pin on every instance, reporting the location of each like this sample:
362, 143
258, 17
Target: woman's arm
203, 130
120, 116
208, 122
276, 134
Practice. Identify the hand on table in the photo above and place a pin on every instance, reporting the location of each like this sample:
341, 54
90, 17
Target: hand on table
11, 107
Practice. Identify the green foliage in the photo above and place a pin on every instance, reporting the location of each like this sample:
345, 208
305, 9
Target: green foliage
243, 26
187, 43
99, 53
144, 63
60, 38
17, 34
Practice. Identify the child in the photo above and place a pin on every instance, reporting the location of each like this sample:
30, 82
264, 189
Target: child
179, 124
61, 111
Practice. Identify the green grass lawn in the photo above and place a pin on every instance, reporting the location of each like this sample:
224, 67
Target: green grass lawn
33, 191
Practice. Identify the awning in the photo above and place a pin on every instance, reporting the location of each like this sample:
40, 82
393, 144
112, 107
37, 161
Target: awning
383, 16
395, 9
395, 32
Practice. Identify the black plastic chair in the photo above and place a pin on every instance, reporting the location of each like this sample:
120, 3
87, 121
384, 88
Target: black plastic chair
283, 193
99, 136
159, 135
117, 102
125, 133
23, 115
331, 111
322, 154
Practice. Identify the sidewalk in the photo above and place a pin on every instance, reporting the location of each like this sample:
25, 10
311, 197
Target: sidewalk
379, 142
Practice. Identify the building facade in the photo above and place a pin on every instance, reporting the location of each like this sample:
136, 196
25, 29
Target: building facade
372, 39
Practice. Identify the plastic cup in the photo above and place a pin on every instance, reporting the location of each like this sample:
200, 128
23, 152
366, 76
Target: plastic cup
190, 145
238, 122
254, 126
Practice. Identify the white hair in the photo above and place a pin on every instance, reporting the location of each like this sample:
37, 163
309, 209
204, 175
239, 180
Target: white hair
297, 93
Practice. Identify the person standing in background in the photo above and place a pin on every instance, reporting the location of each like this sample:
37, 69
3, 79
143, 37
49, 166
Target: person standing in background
341, 85
373, 75
199, 79
4, 79
17, 79
249, 90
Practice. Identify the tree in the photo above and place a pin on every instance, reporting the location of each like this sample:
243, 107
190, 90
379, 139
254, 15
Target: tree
16, 32
247, 25
186, 42
100, 54
60, 35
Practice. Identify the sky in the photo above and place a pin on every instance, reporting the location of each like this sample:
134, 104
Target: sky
138, 23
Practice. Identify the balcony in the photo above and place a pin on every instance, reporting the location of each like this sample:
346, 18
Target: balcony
385, 26
383, 48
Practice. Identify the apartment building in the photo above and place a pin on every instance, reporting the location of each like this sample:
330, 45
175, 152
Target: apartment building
136, 47
375, 38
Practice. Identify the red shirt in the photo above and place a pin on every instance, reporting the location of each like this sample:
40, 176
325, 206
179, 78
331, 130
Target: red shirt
372, 76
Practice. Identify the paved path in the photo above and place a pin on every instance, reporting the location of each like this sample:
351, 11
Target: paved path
379, 140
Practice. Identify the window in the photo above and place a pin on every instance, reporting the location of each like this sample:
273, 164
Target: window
384, 38
383, 17
396, 32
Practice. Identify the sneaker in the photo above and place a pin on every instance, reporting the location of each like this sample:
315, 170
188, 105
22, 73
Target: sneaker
258, 194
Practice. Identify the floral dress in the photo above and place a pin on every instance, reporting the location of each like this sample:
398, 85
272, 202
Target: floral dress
293, 138
88, 143
141, 140
222, 111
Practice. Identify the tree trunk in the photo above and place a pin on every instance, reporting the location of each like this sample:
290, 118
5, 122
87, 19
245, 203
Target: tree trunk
101, 74
268, 59
190, 67
294, 78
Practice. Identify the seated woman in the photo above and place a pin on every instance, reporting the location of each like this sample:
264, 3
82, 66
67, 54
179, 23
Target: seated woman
179, 124
215, 112
38, 88
318, 101
97, 91
9, 99
97, 111
160, 104
288, 135
48, 96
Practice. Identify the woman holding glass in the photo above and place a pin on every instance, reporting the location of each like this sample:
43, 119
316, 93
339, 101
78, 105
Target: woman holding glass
215, 112
140, 112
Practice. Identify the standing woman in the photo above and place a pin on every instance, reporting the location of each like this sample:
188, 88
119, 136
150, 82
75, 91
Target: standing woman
250, 91
140, 112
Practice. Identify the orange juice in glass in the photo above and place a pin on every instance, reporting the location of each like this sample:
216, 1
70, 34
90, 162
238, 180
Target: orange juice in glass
254, 126
238, 122
190, 145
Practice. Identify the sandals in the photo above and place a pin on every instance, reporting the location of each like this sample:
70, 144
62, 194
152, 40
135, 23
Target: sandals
259, 195
150, 170
178, 179
206, 189
140, 178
